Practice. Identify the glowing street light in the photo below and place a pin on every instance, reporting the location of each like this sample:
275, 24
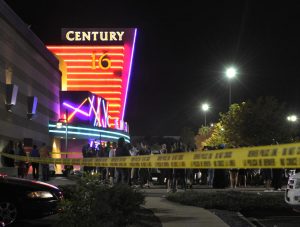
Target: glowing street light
230, 73
205, 107
292, 118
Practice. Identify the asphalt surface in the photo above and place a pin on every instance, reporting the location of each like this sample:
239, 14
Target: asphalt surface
283, 218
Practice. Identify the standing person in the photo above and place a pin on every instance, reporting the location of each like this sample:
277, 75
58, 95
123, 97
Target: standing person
84, 151
133, 152
220, 176
163, 172
35, 166
112, 153
210, 172
171, 181
21, 164
277, 179
90, 154
122, 151
180, 174
105, 171
144, 173
234, 174
100, 154
9, 149
243, 177
44, 153
268, 175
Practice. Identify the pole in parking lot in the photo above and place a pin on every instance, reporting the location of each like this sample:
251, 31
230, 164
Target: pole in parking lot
67, 132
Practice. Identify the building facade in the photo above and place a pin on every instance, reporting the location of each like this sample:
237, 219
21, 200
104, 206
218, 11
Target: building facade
30, 82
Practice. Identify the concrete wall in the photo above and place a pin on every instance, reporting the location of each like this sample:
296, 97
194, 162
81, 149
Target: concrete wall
26, 62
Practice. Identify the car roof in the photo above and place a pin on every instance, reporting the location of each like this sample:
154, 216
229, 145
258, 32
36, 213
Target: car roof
29, 184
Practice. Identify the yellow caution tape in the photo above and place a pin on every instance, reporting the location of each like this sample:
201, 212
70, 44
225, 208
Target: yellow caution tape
58, 153
274, 156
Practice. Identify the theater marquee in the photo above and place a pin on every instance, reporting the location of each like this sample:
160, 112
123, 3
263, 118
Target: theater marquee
98, 60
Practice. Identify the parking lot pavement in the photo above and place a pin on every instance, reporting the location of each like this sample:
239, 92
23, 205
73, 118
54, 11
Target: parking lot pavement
48, 221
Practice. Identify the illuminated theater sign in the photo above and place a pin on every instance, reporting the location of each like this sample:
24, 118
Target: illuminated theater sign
98, 61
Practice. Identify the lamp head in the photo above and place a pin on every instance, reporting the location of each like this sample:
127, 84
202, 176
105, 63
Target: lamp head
231, 72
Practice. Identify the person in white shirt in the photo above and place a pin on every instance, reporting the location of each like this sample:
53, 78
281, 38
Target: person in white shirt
111, 170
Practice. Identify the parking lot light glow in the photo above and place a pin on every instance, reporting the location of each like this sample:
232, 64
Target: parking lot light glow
292, 118
205, 107
231, 72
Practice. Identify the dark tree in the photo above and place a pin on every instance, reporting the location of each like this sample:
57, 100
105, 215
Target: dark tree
262, 122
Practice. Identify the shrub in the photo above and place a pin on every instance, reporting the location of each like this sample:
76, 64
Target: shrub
90, 203
231, 200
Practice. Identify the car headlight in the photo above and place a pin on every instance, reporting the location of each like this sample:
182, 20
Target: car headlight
40, 195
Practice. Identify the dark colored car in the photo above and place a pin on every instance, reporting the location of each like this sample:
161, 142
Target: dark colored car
21, 198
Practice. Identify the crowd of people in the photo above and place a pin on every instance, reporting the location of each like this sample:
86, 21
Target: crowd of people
273, 179
137, 176
23, 166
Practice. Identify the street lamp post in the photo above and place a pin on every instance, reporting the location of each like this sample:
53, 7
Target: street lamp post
205, 108
293, 120
67, 133
230, 74
59, 125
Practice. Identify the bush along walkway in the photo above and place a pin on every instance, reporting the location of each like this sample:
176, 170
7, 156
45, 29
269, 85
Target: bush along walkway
90, 203
231, 200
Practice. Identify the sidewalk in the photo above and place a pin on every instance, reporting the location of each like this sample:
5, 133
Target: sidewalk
176, 215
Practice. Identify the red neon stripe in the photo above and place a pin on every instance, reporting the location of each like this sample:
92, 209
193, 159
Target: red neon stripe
84, 47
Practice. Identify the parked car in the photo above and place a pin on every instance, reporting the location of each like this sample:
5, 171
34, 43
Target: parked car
21, 198
292, 192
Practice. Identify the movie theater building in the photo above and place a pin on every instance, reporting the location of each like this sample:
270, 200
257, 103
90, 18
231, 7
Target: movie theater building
30, 82
96, 69
66, 94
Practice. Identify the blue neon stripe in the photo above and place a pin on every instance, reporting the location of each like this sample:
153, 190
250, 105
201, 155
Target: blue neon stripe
87, 134
94, 130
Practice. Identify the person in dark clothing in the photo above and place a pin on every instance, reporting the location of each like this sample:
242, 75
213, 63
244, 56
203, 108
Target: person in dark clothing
144, 173
84, 151
122, 173
105, 171
44, 153
219, 180
277, 179
35, 166
90, 154
21, 164
9, 149
267, 176
180, 174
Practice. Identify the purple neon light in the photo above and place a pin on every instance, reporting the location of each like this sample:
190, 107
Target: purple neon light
92, 103
105, 114
98, 113
76, 109
103, 120
124, 107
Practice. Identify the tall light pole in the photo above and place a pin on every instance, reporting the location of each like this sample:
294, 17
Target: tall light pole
205, 108
67, 116
59, 124
230, 74
293, 121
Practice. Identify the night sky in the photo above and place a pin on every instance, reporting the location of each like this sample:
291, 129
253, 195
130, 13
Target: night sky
182, 50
